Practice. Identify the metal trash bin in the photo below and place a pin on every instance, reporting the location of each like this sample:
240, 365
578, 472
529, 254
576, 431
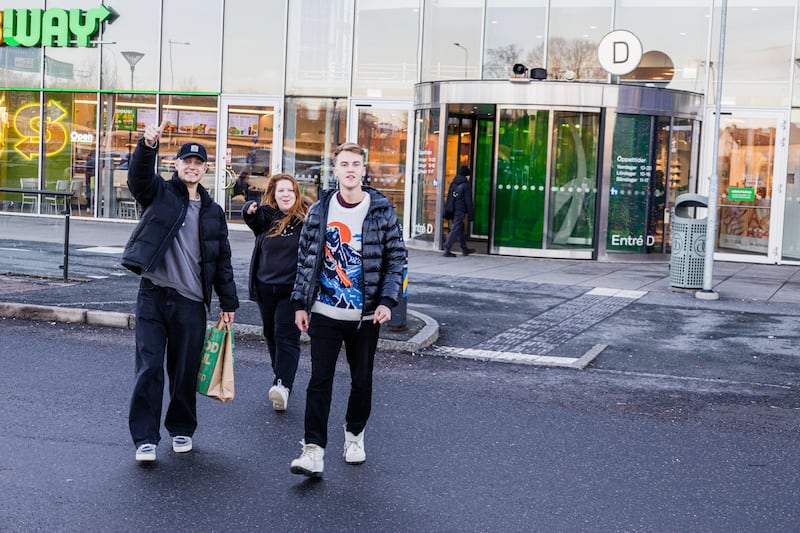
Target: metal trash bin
399, 313
687, 261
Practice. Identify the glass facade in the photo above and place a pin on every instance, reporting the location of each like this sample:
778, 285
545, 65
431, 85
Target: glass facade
72, 106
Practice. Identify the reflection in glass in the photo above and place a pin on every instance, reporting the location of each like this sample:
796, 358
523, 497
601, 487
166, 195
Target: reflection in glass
791, 214
313, 128
513, 34
135, 30
482, 177
574, 33
521, 178
195, 66
681, 35
249, 147
674, 175
385, 53
251, 27
745, 167
424, 174
758, 53
445, 25
83, 152
319, 48
573, 189
384, 133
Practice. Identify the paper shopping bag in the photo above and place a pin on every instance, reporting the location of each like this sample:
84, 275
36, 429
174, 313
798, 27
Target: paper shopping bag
215, 378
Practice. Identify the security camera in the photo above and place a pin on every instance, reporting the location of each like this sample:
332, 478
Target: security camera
519, 69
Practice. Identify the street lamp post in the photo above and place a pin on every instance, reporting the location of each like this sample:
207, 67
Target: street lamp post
171, 72
466, 57
132, 58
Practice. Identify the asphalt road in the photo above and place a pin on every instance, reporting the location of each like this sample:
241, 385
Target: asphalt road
453, 445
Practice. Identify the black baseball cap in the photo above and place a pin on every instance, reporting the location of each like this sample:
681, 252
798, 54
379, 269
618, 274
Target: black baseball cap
192, 149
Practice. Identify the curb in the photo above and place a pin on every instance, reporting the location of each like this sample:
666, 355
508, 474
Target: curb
424, 338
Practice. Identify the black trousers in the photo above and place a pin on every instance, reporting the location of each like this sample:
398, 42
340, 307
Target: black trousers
166, 323
457, 231
360, 340
282, 335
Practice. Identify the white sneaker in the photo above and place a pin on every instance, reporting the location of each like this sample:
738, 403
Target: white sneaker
354, 453
279, 395
181, 444
146, 453
310, 463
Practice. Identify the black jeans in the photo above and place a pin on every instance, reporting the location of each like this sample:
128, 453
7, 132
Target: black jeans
166, 321
360, 341
283, 337
457, 231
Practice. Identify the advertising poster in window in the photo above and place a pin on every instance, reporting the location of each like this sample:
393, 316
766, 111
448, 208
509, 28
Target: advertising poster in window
125, 118
197, 122
242, 124
145, 116
171, 116
631, 170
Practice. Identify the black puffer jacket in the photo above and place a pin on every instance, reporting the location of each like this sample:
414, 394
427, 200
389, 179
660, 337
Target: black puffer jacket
383, 253
165, 204
459, 198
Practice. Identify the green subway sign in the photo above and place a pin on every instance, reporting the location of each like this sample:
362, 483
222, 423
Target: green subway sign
52, 27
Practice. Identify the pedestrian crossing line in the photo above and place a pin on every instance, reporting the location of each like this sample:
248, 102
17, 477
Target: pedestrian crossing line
549, 330
577, 363
103, 249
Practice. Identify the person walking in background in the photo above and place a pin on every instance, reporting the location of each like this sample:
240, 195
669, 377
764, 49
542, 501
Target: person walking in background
458, 206
276, 224
181, 250
349, 276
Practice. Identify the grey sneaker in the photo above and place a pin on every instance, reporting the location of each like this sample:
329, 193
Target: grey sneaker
311, 461
354, 453
279, 395
181, 444
146, 453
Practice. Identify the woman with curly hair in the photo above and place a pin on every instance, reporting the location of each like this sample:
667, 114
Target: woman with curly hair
276, 224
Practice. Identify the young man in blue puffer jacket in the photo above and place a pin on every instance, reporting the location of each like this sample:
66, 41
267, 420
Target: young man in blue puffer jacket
349, 276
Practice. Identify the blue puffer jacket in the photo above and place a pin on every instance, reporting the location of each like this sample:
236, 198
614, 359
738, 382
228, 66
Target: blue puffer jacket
165, 204
383, 253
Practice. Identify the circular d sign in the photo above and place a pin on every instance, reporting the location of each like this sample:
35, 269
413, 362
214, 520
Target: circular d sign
619, 52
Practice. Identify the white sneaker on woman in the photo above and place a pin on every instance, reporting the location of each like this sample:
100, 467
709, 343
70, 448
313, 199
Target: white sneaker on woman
279, 395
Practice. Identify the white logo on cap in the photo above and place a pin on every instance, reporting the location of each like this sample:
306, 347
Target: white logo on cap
195, 148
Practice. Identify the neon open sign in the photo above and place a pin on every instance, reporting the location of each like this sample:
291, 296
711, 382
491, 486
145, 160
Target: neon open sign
52, 27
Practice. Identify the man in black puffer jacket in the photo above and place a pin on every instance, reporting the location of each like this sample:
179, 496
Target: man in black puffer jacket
181, 250
349, 276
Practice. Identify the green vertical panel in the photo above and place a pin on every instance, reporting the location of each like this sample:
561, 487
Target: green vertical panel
483, 177
521, 176
574, 178
57, 130
19, 157
630, 175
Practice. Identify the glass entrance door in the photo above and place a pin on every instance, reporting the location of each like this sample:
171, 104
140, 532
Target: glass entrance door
381, 128
250, 146
546, 182
751, 169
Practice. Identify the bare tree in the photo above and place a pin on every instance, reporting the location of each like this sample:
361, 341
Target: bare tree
576, 55
500, 60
